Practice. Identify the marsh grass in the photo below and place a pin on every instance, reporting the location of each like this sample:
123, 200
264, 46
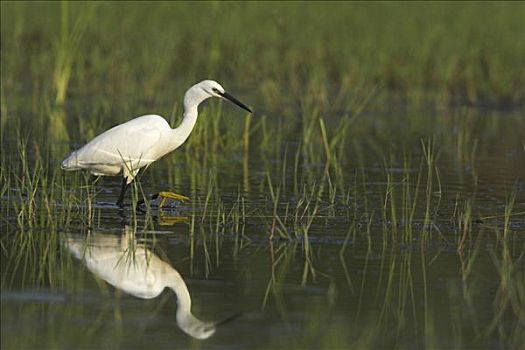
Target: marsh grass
354, 143
387, 58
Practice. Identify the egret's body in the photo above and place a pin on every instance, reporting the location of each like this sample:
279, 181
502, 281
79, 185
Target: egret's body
128, 147
136, 270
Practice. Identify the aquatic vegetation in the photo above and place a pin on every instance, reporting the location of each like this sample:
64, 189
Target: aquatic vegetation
374, 199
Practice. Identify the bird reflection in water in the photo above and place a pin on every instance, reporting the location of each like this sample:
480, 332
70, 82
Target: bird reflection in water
136, 270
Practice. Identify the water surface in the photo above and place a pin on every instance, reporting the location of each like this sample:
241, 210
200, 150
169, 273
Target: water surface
336, 269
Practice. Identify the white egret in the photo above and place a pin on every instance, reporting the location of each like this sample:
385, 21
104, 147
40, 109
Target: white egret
128, 147
137, 271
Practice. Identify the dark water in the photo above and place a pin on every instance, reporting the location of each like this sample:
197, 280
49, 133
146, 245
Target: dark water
346, 283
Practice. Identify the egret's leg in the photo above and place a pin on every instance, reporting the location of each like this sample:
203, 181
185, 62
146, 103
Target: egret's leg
167, 220
164, 195
123, 189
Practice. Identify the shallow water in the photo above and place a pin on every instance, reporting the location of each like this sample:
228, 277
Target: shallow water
343, 277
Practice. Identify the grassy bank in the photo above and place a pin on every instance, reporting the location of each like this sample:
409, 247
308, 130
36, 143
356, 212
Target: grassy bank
471, 52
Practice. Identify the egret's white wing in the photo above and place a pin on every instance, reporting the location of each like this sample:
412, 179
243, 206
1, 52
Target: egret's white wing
133, 269
134, 144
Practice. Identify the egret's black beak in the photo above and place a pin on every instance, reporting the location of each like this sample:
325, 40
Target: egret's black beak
234, 100
228, 319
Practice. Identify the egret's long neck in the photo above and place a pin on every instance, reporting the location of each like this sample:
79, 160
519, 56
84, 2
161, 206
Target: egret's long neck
185, 319
177, 284
193, 97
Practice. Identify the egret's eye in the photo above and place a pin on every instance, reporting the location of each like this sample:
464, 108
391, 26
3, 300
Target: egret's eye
215, 90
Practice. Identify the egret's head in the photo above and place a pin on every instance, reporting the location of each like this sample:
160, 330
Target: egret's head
192, 326
200, 331
212, 88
